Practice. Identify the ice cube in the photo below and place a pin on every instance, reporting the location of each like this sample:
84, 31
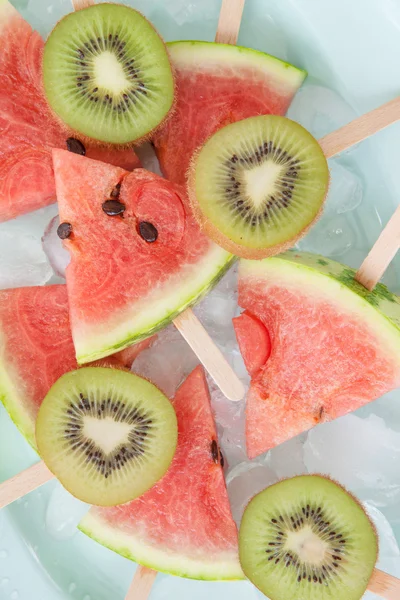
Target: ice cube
245, 481
182, 11
320, 110
22, 260
331, 236
148, 158
167, 362
229, 418
345, 189
63, 513
361, 454
57, 255
287, 460
387, 407
218, 308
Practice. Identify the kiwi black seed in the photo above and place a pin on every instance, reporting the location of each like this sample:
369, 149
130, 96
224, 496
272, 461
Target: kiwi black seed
308, 538
107, 73
257, 185
106, 434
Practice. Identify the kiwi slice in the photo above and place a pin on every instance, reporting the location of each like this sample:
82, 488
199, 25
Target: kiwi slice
106, 434
107, 73
307, 538
257, 185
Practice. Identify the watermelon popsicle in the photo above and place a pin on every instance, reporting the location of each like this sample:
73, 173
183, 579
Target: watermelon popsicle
183, 525
334, 344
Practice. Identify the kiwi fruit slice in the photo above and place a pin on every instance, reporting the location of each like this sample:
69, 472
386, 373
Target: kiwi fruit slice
107, 73
106, 434
257, 185
307, 538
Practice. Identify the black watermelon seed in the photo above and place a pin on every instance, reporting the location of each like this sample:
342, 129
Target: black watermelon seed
116, 190
64, 230
76, 146
148, 232
113, 208
221, 459
214, 451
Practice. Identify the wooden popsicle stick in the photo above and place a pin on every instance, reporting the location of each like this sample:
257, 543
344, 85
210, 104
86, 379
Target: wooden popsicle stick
78, 4
381, 254
209, 355
24, 482
142, 583
230, 18
384, 585
361, 128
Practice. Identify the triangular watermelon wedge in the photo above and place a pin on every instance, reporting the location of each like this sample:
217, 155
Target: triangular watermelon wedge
28, 129
36, 348
334, 345
183, 525
121, 287
218, 84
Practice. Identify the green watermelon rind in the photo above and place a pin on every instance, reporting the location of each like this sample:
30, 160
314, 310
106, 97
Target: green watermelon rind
184, 53
380, 308
165, 562
185, 298
13, 403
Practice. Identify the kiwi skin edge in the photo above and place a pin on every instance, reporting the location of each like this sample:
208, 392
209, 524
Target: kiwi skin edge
356, 500
222, 240
69, 132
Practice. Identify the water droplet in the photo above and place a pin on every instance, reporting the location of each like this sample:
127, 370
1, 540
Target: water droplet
14, 595
87, 597
26, 504
19, 500
3, 553
5, 581
72, 587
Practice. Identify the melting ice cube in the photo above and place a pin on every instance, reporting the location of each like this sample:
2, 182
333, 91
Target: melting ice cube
57, 255
362, 454
22, 260
320, 110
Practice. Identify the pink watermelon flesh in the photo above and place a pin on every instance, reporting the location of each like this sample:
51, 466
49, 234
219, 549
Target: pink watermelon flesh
28, 130
254, 341
217, 85
327, 356
122, 288
183, 525
36, 348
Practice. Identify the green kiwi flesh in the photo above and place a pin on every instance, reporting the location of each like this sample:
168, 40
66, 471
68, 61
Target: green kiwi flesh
257, 185
107, 73
106, 434
307, 538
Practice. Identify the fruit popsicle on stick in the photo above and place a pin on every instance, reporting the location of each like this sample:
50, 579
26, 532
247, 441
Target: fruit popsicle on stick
332, 345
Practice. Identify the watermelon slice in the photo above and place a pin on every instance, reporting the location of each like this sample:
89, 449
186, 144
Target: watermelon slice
335, 346
121, 287
28, 130
219, 84
36, 348
183, 525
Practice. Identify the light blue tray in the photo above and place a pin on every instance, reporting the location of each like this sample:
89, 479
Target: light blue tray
350, 47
